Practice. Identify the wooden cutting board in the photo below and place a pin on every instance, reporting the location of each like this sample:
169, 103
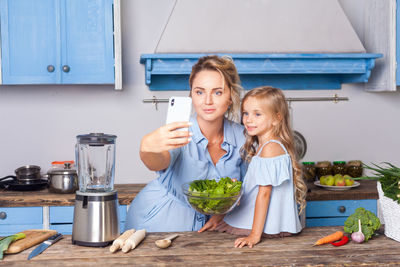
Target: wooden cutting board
33, 237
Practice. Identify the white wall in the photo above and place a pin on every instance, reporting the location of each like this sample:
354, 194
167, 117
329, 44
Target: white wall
38, 124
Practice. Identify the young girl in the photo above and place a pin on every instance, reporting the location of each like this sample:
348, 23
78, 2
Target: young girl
273, 187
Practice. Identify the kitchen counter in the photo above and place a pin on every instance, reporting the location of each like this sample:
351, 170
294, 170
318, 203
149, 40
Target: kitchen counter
366, 190
216, 249
126, 192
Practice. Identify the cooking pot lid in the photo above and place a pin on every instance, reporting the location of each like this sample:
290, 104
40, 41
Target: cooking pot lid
62, 171
96, 139
300, 144
61, 167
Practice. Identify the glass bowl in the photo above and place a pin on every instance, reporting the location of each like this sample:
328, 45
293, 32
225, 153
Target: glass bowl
217, 204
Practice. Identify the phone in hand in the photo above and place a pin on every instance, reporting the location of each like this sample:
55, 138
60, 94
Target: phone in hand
179, 109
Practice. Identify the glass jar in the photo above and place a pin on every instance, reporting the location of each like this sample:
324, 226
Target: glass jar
323, 168
95, 156
309, 171
354, 168
339, 167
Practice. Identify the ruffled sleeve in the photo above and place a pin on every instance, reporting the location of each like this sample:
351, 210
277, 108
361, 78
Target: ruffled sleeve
272, 171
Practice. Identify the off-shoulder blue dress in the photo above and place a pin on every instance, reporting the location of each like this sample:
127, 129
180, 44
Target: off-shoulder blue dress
282, 213
161, 205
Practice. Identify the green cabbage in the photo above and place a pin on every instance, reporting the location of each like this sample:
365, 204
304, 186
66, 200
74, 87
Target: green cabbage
369, 223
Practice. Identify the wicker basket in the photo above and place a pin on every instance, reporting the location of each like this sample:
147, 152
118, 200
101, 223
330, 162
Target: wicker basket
391, 215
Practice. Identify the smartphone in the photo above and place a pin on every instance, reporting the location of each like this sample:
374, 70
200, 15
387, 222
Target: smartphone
179, 109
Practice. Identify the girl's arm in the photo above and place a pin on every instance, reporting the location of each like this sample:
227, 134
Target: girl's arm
154, 146
260, 215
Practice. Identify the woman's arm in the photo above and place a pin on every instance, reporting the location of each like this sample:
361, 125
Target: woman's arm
212, 223
154, 146
260, 215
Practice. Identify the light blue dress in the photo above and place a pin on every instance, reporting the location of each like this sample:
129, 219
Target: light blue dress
161, 205
282, 213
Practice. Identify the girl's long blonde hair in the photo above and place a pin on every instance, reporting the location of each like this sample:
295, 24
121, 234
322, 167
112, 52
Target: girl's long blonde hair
274, 100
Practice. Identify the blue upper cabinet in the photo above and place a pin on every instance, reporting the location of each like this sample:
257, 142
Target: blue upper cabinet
87, 42
57, 41
29, 41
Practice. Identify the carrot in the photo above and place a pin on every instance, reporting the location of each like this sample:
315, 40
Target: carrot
329, 238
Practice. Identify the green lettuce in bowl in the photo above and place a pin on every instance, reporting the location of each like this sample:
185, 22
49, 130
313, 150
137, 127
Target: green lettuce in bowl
213, 197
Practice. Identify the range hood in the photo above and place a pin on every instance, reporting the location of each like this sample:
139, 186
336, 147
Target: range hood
291, 44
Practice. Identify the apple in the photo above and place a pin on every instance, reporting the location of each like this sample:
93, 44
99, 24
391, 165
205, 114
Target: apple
348, 180
339, 180
322, 180
329, 180
338, 176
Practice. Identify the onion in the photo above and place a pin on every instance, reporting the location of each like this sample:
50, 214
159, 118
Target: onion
358, 236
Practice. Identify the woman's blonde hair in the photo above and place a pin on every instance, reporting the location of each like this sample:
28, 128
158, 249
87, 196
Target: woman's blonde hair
225, 66
274, 101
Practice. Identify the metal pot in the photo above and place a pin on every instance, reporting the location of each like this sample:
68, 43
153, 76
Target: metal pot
28, 174
63, 180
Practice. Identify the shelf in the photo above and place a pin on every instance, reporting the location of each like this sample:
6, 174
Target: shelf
165, 72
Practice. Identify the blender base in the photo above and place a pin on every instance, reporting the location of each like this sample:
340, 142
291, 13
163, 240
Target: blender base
91, 244
96, 219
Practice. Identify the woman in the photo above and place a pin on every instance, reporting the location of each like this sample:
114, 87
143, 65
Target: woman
209, 150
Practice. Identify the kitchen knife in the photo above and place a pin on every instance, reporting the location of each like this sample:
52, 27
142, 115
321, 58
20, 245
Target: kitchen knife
43, 246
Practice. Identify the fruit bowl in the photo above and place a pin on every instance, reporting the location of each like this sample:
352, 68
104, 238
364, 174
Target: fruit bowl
210, 205
337, 188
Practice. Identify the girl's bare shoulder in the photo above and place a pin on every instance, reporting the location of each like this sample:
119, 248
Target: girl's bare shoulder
272, 150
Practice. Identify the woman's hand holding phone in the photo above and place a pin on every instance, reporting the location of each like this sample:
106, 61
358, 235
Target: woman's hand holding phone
155, 145
166, 137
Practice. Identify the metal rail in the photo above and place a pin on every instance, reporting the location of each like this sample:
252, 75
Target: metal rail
335, 99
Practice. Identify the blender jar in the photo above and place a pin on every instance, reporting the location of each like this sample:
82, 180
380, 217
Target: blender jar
95, 156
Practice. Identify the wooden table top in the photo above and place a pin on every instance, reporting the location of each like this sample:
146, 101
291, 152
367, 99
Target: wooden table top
216, 249
127, 192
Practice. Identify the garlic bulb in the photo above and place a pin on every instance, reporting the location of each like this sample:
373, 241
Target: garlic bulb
358, 236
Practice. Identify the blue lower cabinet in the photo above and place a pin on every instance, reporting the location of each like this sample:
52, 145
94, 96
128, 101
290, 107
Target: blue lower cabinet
64, 228
17, 219
335, 212
61, 218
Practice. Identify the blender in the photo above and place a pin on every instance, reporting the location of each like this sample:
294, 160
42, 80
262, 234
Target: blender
96, 219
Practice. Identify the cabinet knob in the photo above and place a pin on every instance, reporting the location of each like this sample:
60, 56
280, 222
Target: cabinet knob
3, 215
50, 68
65, 68
342, 209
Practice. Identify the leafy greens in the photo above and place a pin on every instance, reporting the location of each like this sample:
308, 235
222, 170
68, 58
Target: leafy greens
212, 197
389, 178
